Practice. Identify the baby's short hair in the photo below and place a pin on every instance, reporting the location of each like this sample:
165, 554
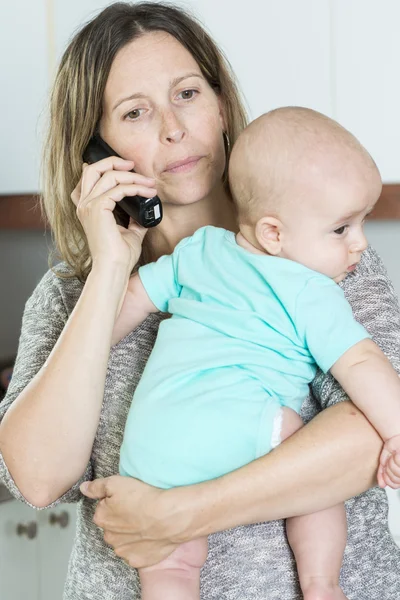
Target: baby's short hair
280, 150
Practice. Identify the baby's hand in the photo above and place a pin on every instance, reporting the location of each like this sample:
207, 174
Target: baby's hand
389, 464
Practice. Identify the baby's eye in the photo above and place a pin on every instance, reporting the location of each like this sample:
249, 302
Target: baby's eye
341, 230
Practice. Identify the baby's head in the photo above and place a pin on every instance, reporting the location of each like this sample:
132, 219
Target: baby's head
303, 185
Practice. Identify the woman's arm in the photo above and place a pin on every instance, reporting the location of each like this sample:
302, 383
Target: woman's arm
334, 457
329, 460
46, 436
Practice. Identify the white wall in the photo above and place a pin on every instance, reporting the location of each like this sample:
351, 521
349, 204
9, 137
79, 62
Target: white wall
338, 56
366, 51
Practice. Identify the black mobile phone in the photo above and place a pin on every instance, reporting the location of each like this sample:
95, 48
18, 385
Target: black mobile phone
146, 211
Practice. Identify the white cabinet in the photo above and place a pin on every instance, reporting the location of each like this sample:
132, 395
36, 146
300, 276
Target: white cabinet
394, 513
19, 565
24, 87
34, 550
56, 532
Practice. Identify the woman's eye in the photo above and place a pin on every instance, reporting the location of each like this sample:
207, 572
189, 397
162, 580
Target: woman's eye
188, 94
341, 230
134, 114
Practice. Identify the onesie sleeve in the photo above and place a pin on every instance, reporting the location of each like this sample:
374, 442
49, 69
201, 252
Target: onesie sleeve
43, 321
160, 278
327, 321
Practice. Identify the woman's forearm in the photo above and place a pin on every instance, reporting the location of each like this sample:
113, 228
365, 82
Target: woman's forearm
331, 459
47, 434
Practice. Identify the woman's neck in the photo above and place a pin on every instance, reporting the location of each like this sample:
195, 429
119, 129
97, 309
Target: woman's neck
180, 221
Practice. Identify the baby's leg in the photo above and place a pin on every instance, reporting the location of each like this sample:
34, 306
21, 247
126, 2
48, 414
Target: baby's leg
317, 540
176, 577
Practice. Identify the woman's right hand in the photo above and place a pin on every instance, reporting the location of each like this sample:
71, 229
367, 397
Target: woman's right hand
142, 523
102, 185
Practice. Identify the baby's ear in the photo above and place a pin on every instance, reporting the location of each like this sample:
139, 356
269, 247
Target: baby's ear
269, 234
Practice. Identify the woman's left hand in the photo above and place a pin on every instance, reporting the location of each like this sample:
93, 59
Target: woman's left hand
134, 518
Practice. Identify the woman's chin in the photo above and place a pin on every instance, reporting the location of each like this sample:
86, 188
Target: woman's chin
188, 196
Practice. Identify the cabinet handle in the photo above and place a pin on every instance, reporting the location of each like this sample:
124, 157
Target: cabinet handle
62, 519
30, 530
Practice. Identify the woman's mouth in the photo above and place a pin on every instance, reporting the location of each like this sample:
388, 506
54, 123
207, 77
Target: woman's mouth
183, 166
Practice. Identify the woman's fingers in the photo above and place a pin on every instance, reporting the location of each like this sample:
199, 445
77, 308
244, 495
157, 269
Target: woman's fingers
108, 199
97, 179
93, 173
111, 179
76, 193
102, 185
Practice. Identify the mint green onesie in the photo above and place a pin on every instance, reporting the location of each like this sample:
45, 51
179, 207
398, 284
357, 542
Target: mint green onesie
246, 335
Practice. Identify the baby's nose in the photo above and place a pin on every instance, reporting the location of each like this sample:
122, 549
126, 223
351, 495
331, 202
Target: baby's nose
360, 244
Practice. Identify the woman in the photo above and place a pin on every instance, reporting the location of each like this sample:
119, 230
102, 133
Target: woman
153, 84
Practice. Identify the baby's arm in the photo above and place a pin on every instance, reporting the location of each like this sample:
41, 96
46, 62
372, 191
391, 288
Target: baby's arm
135, 308
366, 375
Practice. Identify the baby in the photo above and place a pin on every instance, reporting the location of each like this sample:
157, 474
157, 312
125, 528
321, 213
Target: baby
253, 317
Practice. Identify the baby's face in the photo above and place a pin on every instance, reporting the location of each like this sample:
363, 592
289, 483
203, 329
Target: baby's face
325, 231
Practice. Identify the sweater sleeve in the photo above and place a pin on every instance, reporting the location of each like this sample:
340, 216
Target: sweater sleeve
43, 321
375, 305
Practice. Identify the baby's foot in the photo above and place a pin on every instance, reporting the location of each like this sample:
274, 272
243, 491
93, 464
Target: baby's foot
323, 590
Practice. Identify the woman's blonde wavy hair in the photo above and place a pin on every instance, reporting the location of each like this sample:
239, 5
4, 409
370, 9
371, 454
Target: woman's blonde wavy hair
76, 105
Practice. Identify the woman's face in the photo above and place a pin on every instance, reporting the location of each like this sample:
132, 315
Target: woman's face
159, 111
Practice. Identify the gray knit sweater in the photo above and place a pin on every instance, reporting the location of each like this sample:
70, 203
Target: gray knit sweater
246, 563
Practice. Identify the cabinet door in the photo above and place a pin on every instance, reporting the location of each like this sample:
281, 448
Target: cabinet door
56, 528
394, 513
19, 560
24, 83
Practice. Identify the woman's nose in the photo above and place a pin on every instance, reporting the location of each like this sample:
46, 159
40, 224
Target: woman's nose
172, 130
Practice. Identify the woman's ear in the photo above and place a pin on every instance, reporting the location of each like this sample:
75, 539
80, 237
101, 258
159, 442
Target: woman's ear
268, 232
222, 114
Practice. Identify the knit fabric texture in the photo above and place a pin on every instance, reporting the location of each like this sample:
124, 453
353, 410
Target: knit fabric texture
244, 563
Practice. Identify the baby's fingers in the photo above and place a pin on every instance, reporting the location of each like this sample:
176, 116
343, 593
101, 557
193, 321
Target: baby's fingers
385, 456
393, 471
380, 477
391, 481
